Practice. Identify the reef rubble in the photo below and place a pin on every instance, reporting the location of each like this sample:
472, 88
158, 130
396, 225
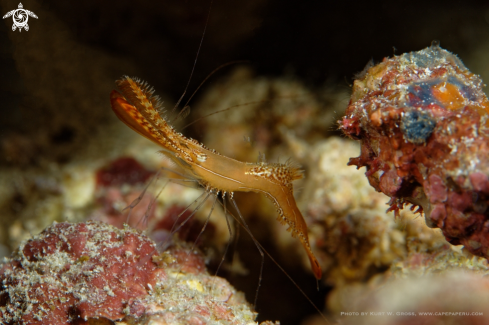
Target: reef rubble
87, 273
422, 120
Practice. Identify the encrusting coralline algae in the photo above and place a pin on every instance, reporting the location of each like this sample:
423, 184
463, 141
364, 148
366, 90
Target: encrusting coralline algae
78, 273
422, 119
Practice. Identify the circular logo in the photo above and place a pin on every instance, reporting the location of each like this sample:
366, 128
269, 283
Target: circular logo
20, 17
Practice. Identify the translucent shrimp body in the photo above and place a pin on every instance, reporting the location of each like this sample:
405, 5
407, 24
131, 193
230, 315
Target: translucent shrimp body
139, 109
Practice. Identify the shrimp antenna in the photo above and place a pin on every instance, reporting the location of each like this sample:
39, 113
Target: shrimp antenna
238, 105
243, 223
206, 222
226, 109
196, 57
210, 74
231, 235
140, 197
264, 251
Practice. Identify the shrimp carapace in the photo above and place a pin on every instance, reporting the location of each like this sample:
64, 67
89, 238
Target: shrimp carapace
140, 110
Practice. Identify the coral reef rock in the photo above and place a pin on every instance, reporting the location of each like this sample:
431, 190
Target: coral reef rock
91, 272
422, 119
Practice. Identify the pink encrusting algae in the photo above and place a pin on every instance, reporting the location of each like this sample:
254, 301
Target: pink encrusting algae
78, 273
422, 119
71, 271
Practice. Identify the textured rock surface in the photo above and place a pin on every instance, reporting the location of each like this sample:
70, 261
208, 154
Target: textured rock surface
76, 273
422, 119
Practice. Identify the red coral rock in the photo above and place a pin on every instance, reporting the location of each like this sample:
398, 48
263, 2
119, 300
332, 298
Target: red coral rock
124, 170
423, 122
94, 273
74, 272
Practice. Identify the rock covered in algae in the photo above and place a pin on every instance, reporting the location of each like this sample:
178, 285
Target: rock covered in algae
353, 236
88, 271
422, 119
360, 246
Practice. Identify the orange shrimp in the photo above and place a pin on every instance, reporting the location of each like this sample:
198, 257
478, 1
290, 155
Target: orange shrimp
139, 109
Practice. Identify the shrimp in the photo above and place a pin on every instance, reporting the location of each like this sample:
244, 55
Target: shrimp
139, 109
